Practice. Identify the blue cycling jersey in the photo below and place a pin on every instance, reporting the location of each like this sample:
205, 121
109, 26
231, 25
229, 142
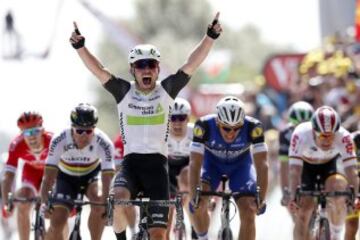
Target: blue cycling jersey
231, 159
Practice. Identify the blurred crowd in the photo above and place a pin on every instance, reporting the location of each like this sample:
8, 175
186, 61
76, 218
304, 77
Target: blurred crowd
329, 75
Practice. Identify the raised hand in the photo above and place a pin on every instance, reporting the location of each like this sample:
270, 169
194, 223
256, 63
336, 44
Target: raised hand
214, 29
76, 39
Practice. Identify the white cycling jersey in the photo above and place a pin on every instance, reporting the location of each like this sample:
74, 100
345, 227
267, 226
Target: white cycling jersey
65, 155
139, 111
179, 149
303, 147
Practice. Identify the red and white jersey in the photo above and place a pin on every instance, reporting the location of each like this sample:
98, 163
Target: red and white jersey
303, 147
119, 150
19, 150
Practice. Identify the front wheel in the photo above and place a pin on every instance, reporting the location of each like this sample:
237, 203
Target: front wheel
225, 234
39, 228
39, 235
180, 234
324, 229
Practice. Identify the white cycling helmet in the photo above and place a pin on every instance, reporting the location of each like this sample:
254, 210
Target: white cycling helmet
143, 51
300, 112
325, 120
181, 107
230, 111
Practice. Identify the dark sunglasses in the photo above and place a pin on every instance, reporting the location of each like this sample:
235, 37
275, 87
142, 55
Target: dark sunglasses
180, 118
81, 131
228, 129
144, 63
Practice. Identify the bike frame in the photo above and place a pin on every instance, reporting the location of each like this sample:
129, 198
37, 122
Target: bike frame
144, 204
78, 205
225, 195
39, 225
321, 196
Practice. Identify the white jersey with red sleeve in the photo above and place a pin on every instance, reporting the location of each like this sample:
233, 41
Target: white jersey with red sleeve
303, 147
19, 150
119, 150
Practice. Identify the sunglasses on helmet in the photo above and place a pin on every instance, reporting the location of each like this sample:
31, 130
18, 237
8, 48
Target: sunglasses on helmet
144, 63
180, 118
31, 131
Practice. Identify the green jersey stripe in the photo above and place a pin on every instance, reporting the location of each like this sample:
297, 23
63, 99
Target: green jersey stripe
151, 120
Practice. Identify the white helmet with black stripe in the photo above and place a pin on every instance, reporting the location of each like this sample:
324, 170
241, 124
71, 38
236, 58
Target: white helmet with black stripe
143, 51
230, 111
181, 107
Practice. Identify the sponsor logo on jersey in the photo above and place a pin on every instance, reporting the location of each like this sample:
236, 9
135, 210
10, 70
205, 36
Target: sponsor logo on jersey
159, 108
257, 132
198, 131
55, 142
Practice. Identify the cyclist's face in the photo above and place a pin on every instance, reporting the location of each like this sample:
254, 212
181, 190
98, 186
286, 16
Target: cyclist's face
324, 140
33, 137
178, 124
146, 72
229, 133
83, 136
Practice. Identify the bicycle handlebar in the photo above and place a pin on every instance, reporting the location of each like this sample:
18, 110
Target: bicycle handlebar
145, 201
324, 194
12, 200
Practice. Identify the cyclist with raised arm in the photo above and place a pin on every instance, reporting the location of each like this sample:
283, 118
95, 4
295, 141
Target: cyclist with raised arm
76, 157
315, 149
143, 107
298, 112
179, 151
352, 220
31, 146
232, 144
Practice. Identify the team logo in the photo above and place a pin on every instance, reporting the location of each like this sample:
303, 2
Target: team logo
159, 108
198, 131
257, 132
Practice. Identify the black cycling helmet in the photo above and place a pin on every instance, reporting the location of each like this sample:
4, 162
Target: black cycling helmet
84, 115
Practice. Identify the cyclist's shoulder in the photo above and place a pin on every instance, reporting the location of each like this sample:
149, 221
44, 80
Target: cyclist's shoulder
206, 119
252, 120
100, 134
17, 144
303, 129
62, 136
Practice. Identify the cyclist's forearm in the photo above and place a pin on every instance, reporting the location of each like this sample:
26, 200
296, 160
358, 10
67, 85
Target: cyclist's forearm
106, 181
47, 183
94, 65
352, 177
198, 55
262, 180
194, 171
294, 178
284, 175
262, 167
6, 185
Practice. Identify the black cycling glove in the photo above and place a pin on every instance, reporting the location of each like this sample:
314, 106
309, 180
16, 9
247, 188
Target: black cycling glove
211, 31
80, 43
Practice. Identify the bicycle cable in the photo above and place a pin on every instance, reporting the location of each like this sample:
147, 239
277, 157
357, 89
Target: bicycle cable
234, 204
